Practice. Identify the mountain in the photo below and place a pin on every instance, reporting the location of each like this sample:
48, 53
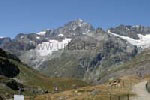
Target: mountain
14, 75
93, 57
78, 50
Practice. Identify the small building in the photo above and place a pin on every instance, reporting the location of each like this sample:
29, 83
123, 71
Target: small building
18, 97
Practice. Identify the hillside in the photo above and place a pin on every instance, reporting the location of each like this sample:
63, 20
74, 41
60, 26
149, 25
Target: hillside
15, 75
138, 66
133, 74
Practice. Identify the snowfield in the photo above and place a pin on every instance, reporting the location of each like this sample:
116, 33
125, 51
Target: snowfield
46, 48
37, 37
143, 41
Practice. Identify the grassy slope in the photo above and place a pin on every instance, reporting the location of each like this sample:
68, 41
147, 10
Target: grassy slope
32, 79
98, 92
35, 79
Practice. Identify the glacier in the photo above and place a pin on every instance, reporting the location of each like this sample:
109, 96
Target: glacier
143, 41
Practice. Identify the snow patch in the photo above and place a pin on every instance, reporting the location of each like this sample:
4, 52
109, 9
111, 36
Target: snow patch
22, 37
61, 35
80, 24
41, 33
143, 41
37, 37
46, 48
88, 31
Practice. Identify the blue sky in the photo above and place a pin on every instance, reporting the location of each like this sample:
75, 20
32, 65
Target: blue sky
35, 15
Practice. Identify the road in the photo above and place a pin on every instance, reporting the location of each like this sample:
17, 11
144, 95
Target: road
141, 92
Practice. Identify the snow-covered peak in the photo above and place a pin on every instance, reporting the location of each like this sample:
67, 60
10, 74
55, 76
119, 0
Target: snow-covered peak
143, 41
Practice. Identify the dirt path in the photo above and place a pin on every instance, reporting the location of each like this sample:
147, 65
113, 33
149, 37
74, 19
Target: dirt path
141, 92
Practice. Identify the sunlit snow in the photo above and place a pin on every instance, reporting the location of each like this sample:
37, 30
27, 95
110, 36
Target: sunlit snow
22, 37
41, 33
61, 35
143, 41
37, 37
47, 48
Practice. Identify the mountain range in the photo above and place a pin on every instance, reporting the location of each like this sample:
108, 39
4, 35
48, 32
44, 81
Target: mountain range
78, 50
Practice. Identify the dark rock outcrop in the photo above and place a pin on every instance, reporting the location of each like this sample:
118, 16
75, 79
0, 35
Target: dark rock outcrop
14, 85
7, 68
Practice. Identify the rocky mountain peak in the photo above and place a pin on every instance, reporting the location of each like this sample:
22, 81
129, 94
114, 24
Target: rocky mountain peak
77, 23
75, 27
